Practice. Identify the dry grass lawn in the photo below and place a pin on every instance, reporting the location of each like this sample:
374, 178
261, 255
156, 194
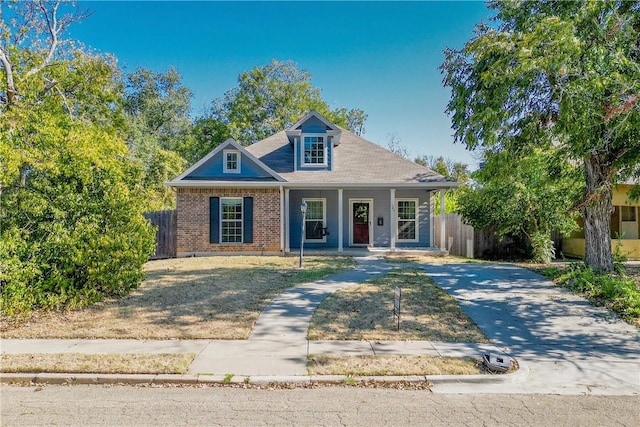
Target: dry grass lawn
365, 312
392, 365
98, 363
186, 298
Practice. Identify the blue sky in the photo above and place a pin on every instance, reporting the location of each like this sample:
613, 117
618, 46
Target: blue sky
382, 57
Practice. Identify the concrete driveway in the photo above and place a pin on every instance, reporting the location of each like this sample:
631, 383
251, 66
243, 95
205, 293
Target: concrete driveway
565, 344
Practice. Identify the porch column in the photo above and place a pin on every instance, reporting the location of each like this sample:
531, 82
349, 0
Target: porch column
443, 237
287, 226
340, 220
392, 219
282, 226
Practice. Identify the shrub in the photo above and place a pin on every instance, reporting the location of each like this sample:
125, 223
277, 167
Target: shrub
74, 233
615, 291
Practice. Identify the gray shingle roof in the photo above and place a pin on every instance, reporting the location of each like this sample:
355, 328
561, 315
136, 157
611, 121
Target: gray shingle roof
355, 160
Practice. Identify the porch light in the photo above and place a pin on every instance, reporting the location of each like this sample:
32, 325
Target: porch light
303, 209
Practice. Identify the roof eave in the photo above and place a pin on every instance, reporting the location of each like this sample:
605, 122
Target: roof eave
300, 185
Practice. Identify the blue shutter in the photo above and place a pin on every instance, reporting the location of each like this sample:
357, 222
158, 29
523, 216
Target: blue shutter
214, 219
247, 220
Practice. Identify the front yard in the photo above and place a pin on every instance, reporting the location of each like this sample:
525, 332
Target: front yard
186, 298
221, 297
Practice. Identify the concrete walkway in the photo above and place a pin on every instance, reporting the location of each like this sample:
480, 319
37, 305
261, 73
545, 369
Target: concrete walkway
567, 345
562, 343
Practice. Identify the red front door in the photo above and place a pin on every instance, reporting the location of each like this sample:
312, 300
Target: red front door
360, 223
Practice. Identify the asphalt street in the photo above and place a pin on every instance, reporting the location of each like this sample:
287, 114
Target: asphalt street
346, 406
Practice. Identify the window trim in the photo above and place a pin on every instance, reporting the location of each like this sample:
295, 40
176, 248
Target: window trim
324, 219
225, 161
325, 143
416, 219
241, 220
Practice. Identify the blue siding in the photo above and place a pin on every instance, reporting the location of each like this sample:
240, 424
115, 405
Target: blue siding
331, 217
213, 169
313, 125
381, 209
424, 225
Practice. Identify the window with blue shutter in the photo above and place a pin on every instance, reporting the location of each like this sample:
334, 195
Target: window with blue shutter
231, 220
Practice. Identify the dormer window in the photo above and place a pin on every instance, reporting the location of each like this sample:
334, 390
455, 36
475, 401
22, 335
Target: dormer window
315, 149
231, 161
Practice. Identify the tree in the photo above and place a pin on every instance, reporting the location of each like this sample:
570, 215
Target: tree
394, 144
529, 200
273, 97
206, 134
448, 168
557, 75
71, 229
159, 129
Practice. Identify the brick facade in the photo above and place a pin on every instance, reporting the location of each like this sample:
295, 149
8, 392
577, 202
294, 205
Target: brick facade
193, 220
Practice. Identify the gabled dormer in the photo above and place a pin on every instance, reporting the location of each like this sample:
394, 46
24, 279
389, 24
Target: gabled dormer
314, 139
228, 162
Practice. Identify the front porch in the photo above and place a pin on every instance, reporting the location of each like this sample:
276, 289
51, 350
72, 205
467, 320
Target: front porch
349, 219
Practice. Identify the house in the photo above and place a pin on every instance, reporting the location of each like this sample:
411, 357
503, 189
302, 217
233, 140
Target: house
357, 194
625, 227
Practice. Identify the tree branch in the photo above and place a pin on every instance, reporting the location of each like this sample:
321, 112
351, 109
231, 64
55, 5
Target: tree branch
612, 111
54, 29
11, 89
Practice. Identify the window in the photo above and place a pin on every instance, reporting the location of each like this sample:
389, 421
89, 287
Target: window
315, 220
408, 220
231, 220
314, 150
231, 161
628, 213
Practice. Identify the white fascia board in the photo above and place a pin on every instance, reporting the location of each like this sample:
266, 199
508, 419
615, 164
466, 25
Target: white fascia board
222, 184
334, 185
314, 185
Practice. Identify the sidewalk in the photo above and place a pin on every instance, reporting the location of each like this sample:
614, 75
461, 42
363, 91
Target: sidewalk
256, 360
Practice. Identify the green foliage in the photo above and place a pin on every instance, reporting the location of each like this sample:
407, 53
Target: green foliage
159, 130
527, 194
617, 292
206, 134
542, 247
271, 98
556, 74
75, 232
71, 224
456, 171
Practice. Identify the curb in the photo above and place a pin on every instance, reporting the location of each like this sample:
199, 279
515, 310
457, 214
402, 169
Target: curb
302, 380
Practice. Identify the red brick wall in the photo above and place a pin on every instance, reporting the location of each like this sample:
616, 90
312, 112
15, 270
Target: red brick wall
193, 220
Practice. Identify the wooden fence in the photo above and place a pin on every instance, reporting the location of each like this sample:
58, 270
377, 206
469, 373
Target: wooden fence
166, 233
463, 240
459, 237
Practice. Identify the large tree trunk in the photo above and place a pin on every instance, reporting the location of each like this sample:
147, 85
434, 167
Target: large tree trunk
597, 214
